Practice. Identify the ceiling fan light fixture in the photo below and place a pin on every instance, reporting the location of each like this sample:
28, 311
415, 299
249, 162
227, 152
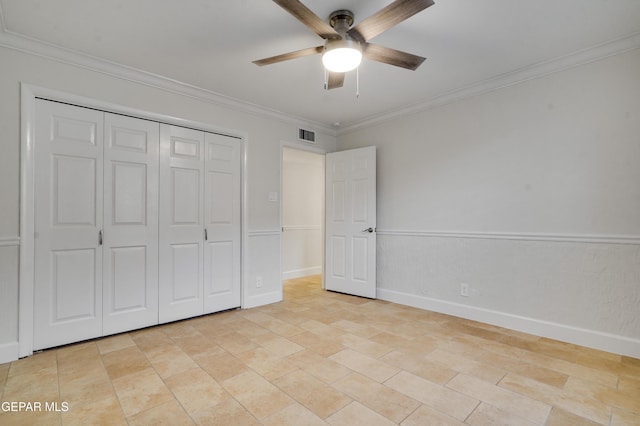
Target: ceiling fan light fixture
342, 55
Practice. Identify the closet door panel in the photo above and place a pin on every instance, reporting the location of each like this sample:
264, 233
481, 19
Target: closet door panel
185, 263
128, 289
68, 220
185, 196
181, 223
131, 223
222, 216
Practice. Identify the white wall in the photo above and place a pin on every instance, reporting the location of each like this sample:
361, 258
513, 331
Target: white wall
264, 136
530, 194
302, 212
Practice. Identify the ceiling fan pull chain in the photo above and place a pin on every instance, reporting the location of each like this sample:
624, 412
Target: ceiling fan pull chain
326, 79
357, 82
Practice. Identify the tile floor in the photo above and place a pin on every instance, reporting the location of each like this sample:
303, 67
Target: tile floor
324, 358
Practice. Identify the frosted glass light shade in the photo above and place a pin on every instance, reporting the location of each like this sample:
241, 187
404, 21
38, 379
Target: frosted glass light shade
342, 56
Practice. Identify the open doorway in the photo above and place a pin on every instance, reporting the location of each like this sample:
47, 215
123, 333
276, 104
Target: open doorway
303, 177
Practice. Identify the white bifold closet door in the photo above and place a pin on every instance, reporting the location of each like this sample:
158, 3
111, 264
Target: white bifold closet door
222, 223
130, 241
96, 227
199, 223
181, 223
68, 222
136, 223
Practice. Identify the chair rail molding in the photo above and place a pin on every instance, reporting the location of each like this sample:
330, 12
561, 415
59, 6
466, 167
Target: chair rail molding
9, 241
302, 228
564, 238
264, 233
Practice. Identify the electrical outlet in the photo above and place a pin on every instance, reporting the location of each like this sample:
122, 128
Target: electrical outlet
258, 282
464, 289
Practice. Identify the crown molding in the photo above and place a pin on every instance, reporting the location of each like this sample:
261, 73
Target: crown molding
540, 69
35, 47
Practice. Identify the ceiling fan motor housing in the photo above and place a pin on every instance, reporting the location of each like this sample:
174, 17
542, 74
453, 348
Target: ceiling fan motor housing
341, 20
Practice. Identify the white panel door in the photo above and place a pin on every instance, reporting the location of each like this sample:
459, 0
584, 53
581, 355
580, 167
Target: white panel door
350, 259
130, 279
68, 221
222, 223
181, 223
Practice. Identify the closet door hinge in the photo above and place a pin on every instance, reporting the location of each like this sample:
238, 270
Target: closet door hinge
100, 237
205, 234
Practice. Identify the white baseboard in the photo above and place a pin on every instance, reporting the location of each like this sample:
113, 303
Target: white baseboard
297, 273
9, 352
262, 299
590, 338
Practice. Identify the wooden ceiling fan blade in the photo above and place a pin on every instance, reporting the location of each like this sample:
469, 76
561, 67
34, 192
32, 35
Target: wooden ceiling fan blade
288, 56
390, 56
307, 17
335, 80
387, 17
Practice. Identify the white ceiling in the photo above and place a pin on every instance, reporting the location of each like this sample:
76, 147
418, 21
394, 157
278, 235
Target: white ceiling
210, 44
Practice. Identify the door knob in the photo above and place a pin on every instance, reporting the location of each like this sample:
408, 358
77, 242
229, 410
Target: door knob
368, 230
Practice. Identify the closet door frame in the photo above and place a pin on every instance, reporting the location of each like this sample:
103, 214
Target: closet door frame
28, 95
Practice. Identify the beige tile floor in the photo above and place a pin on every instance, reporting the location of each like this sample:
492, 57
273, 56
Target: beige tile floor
324, 358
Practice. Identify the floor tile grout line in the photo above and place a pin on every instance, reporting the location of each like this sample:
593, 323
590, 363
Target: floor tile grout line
247, 408
144, 353
552, 405
111, 381
480, 402
296, 401
176, 399
58, 383
420, 404
552, 367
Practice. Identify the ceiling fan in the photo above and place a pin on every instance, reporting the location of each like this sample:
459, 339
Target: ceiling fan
346, 45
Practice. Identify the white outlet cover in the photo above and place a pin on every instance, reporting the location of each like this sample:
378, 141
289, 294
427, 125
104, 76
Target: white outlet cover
464, 289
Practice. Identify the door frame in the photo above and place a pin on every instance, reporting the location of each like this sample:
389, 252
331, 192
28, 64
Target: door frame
28, 95
315, 150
